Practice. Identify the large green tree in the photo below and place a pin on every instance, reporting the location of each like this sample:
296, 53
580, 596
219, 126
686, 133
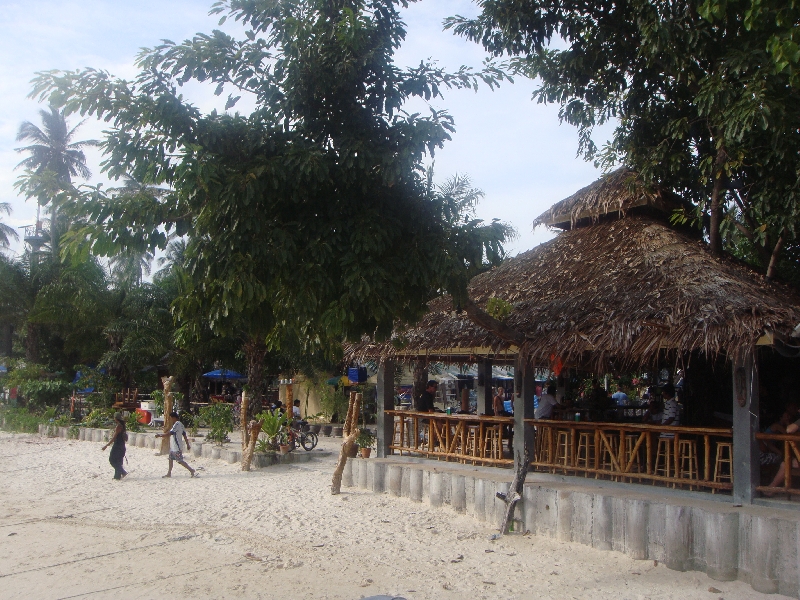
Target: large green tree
312, 216
703, 93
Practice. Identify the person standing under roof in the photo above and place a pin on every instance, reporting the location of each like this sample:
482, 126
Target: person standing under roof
425, 402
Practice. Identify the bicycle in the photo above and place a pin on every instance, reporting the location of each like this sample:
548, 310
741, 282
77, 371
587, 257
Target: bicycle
297, 437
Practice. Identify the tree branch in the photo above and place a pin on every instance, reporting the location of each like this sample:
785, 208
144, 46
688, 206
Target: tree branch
488, 322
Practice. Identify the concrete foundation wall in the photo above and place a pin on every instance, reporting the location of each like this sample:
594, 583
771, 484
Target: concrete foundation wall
756, 544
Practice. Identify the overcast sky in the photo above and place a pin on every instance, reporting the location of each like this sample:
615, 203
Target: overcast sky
513, 149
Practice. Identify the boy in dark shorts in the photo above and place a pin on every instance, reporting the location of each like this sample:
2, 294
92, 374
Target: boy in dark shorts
177, 435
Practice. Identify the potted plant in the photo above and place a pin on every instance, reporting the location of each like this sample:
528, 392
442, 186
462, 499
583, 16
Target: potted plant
272, 426
365, 440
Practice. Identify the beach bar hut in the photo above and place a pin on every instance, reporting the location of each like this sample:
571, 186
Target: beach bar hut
617, 288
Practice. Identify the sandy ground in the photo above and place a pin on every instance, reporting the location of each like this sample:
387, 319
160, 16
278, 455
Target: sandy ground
67, 530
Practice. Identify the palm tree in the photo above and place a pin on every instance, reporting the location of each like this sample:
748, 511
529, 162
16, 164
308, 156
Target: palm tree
55, 153
7, 232
53, 148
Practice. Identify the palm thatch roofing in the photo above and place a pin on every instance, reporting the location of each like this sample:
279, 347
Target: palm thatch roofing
614, 194
608, 296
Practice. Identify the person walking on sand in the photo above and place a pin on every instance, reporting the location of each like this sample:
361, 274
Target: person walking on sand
117, 443
177, 435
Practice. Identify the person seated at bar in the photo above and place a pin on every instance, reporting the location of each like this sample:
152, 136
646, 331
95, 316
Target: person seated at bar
654, 412
619, 397
546, 404
672, 410
425, 402
598, 401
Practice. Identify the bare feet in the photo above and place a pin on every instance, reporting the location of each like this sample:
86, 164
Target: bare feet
195, 474
165, 476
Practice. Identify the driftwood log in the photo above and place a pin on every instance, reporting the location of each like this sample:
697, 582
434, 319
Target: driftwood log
167, 381
521, 462
243, 421
254, 428
350, 432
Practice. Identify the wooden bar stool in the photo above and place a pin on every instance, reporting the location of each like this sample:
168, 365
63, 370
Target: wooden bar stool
562, 450
605, 455
687, 460
724, 457
542, 445
471, 443
491, 442
663, 457
633, 458
584, 454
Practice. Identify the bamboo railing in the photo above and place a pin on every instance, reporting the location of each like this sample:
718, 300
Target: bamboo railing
694, 457
463, 438
698, 458
790, 446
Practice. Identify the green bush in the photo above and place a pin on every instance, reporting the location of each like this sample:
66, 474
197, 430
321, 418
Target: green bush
334, 403
219, 419
273, 425
132, 422
98, 418
73, 432
20, 420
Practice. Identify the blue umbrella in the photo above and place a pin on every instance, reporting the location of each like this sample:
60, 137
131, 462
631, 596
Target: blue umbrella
223, 375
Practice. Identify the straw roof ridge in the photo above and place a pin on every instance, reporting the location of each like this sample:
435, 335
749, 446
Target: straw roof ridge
616, 192
619, 291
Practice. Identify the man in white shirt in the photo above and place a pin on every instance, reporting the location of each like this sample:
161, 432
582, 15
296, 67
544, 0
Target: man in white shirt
177, 436
672, 410
546, 404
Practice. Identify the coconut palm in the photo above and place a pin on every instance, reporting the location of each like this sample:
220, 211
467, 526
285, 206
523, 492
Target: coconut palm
55, 158
7, 232
54, 148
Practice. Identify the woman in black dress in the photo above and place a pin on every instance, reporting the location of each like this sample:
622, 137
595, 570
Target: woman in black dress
117, 444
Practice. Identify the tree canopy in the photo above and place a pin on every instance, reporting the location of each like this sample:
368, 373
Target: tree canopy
313, 216
704, 93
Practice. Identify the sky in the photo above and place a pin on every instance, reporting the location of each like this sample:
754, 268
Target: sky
512, 148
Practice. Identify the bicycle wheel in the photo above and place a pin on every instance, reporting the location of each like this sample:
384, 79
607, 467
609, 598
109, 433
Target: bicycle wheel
309, 440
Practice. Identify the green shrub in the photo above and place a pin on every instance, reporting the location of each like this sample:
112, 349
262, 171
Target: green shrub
219, 419
273, 425
20, 420
334, 403
132, 422
98, 418
73, 432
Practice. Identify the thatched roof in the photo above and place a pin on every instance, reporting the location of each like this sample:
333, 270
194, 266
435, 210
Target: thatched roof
613, 194
616, 292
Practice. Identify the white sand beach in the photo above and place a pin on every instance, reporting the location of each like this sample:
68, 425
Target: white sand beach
67, 530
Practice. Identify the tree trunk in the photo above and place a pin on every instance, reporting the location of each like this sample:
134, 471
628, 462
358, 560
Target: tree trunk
480, 317
350, 432
256, 351
718, 174
247, 454
243, 420
514, 491
167, 381
32, 342
772, 268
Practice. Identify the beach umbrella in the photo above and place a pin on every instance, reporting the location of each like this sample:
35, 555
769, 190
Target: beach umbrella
224, 375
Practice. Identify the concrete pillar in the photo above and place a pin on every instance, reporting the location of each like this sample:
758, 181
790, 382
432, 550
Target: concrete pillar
564, 516
678, 537
636, 529
347, 474
484, 387
722, 545
394, 480
602, 522
377, 476
745, 426
764, 534
385, 402
416, 485
458, 493
436, 493
524, 386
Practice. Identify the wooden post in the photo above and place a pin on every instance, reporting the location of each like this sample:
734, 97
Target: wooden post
485, 391
245, 406
167, 381
746, 466
350, 432
385, 402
